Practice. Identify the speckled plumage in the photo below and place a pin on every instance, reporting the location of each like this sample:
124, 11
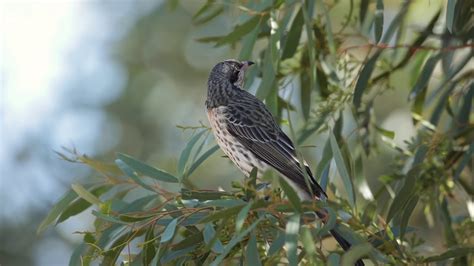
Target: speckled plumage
247, 132
249, 135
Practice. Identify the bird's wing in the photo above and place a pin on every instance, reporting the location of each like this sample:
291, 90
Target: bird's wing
253, 125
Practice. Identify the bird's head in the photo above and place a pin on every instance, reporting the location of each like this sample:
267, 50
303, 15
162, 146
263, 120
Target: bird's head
231, 70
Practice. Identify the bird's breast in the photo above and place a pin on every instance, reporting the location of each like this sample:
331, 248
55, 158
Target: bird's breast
231, 146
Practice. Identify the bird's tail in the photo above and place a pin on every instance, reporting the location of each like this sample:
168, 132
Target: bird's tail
344, 244
340, 239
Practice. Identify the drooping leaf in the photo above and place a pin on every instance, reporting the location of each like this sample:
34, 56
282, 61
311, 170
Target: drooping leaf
341, 167
57, 209
252, 257
169, 231
202, 158
184, 157
425, 76
147, 170
378, 22
149, 250
277, 244
294, 35
402, 197
453, 252
85, 194
364, 77
364, 5
210, 238
411, 204
234, 241
239, 221
241, 30
291, 194
132, 174
222, 213
80, 205
291, 239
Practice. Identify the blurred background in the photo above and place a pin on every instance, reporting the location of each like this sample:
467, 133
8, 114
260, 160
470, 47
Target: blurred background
106, 77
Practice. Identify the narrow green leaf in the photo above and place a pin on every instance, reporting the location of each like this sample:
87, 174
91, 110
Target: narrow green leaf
202, 195
221, 214
168, 233
396, 22
466, 107
76, 258
453, 252
202, 158
378, 20
268, 75
387, 133
149, 250
241, 30
291, 241
364, 77
403, 195
184, 157
425, 76
308, 242
364, 5
171, 255
80, 205
234, 241
131, 173
291, 194
450, 14
108, 218
341, 168
294, 36
252, 257
248, 43
411, 204
355, 253
57, 209
147, 170
210, 238
86, 195
211, 15
277, 244
242, 216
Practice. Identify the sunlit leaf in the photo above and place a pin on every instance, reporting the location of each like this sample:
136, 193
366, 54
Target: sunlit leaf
85, 194
57, 209
291, 240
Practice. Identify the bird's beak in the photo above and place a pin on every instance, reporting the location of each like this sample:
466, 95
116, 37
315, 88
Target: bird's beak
246, 64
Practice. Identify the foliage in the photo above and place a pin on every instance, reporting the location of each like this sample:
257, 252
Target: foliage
172, 222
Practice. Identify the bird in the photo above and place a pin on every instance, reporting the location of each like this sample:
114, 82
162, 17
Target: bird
250, 137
